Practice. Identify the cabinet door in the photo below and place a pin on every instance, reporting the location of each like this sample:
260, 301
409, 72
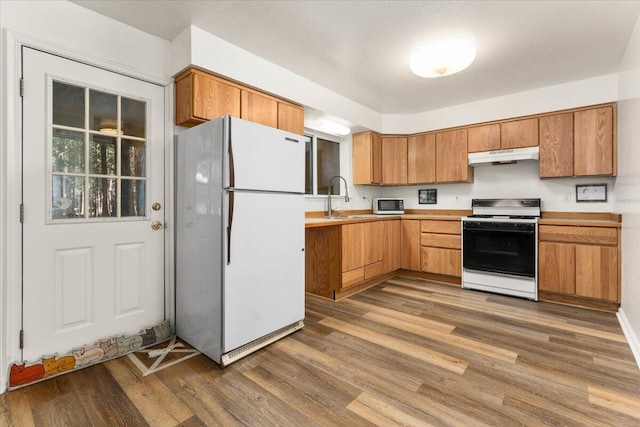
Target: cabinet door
557, 267
352, 246
451, 157
421, 159
597, 272
367, 158
410, 245
441, 261
322, 260
291, 118
556, 145
259, 108
214, 98
373, 242
437, 226
519, 133
594, 151
484, 138
394, 160
391, 244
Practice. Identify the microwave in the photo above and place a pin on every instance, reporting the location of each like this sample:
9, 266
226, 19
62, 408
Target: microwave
385, 206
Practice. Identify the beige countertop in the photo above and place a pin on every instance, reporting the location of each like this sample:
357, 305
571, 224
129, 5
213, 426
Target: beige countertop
581, 220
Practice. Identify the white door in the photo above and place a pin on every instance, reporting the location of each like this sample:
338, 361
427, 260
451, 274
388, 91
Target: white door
93, 186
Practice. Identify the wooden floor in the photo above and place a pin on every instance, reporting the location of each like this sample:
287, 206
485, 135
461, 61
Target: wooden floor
405, 352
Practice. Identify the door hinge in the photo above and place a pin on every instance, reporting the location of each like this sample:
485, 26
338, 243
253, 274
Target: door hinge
21, 339
21, 213
21, 87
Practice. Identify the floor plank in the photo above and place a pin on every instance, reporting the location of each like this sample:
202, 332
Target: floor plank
404, 352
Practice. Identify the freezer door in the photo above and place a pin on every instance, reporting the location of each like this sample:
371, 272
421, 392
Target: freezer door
263, 286
264, 158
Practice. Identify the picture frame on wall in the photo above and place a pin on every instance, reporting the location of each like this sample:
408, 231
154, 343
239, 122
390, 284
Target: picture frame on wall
591, 193
428, 196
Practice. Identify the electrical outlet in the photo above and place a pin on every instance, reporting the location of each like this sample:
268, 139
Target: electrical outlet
566, 197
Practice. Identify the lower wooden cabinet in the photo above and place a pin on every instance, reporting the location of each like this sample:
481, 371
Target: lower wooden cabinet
341, 257
391, 245
410, 244
579, 262
440, 244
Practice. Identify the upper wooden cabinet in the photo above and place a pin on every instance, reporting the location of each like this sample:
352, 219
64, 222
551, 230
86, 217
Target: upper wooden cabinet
451, 157
367, 158
394, 160
503, 136
578, 143
201, 96
484, 138
594, 148
556, 145
519, 133
291, 118
421, 159
259, 108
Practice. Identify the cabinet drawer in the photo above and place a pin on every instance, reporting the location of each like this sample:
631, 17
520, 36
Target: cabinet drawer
441, 261
595, 235
353, 277
441, 227
373, 270
450, 241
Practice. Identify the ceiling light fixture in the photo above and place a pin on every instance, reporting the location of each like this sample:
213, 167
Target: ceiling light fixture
443, 58
330, 127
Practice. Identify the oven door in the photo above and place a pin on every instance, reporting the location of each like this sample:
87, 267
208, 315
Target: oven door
500, 247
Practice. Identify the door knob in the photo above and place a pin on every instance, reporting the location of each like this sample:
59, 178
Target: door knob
156, 225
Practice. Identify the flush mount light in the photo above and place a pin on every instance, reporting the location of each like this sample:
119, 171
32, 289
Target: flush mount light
330, 127
443, 57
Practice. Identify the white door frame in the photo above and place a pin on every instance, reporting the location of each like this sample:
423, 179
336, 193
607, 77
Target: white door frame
11, 186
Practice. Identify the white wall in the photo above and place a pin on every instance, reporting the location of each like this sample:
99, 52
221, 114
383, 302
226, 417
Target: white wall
558, 97
214, 54
68, 29
628, 188
520, 180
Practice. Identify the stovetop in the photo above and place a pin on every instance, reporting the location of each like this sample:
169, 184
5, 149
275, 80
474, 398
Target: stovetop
503, 216
501, 209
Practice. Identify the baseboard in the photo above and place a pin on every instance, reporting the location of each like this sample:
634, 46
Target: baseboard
632, 338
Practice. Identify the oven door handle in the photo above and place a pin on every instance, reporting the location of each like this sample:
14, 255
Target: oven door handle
499, 230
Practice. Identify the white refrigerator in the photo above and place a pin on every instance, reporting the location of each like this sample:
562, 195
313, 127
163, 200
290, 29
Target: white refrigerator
239, 236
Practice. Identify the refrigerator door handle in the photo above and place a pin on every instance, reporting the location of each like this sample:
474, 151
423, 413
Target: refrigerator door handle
232, 169
229, 226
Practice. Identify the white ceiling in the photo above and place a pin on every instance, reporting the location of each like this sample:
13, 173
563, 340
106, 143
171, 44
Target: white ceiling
361, 49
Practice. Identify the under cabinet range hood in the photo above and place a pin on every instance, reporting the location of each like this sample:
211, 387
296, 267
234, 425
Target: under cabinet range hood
504, 156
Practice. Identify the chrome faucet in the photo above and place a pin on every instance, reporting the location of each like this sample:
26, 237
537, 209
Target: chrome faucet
346, 194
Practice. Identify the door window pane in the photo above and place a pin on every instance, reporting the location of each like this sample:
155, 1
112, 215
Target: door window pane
133, 197
103, 112
67, 197
67, 151
133, 117
102, 197
68, 105
133, 158
102, 155
97, 172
